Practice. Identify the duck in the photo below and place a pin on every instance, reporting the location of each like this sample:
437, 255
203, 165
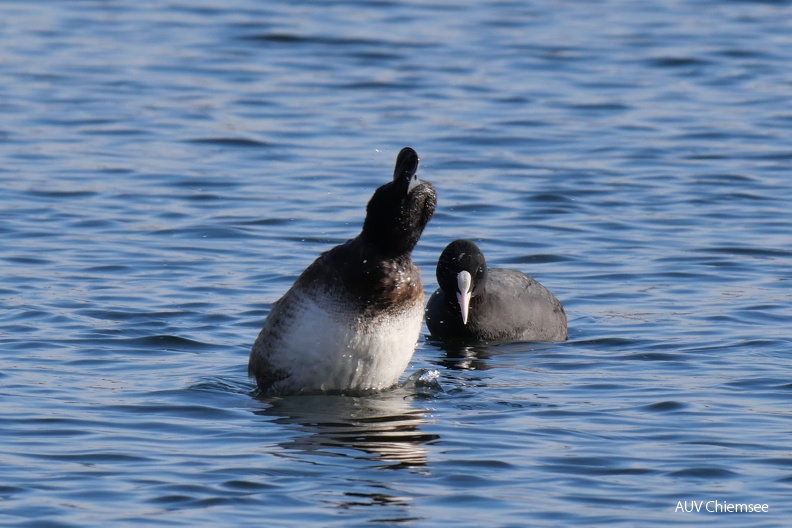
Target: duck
352, 319
477, 304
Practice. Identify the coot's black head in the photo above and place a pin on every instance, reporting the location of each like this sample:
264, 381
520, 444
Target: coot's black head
462, 273
399, 210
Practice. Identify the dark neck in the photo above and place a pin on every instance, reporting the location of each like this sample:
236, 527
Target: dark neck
385, 245
374, 277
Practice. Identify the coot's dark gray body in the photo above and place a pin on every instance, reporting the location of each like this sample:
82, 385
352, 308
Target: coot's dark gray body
501, 305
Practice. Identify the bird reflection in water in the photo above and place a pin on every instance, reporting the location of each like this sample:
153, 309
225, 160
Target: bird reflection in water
458, 356
384, 427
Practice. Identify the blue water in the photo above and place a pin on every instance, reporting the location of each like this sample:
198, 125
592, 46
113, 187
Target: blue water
169, 168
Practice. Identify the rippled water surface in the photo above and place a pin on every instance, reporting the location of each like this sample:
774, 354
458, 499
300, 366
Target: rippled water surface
169, 168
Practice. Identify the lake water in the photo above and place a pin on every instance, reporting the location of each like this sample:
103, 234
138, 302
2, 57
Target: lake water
169, 168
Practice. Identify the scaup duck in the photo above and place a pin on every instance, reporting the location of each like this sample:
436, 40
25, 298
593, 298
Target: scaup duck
352, 319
